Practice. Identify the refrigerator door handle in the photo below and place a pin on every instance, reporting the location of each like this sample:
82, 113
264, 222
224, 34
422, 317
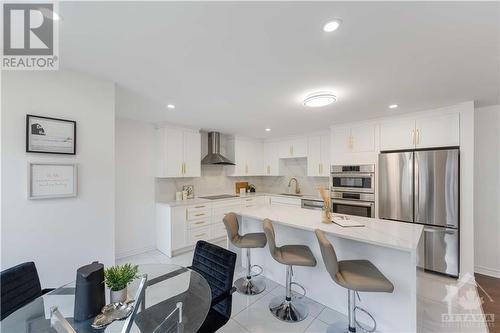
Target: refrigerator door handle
416, 207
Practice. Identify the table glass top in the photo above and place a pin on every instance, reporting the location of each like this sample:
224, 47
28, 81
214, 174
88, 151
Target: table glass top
166, 286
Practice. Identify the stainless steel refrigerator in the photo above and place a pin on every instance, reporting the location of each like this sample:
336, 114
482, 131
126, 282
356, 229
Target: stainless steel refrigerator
422, 186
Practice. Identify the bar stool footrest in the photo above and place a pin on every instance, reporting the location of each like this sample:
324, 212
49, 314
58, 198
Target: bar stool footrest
362, 327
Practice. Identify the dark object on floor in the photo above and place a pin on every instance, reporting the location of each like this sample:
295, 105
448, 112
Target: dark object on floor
19, 286
489, 291
216, 265
89, 293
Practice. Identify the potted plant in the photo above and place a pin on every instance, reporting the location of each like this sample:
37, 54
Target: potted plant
117, 279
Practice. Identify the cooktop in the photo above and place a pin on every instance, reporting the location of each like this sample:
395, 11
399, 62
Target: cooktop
221, 196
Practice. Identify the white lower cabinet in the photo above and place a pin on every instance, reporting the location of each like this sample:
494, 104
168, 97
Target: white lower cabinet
285, 201
179, 228
196, 234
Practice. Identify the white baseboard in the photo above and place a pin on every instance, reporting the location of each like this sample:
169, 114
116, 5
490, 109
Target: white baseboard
133, 252
487, 271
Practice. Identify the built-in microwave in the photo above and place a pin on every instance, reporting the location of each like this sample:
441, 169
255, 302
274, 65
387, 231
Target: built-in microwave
353, 178
353, 189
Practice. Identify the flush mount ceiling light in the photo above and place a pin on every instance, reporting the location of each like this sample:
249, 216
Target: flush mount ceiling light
393, 106
320, 98
332, 25
268, 130
170, 106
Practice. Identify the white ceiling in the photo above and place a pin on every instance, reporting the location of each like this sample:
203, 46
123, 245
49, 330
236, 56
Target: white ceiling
242, 67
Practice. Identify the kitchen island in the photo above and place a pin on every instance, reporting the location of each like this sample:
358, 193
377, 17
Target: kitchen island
392, 247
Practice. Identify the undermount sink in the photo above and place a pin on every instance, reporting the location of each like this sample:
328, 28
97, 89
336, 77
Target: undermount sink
292, 194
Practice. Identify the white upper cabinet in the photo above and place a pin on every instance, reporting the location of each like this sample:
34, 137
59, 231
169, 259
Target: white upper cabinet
192, 154
178, 152
318, 156
421, 132
271, 159
397, 134
293, 148
356, 138
363, 138
438, 131
248, 157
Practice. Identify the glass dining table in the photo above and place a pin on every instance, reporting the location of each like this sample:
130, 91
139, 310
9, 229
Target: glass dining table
171, 299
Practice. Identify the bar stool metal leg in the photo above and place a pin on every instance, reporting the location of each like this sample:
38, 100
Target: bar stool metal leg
251, 284
352, 324
288, 310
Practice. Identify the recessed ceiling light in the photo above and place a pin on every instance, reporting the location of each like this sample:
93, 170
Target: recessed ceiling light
268, 130
332, 25
393, 106
320, 98
170, 106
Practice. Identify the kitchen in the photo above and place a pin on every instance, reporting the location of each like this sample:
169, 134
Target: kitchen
245, 117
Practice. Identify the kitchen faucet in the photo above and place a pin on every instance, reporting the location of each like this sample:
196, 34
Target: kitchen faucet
297, 189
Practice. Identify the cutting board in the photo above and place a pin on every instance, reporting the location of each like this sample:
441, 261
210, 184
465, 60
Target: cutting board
239, 185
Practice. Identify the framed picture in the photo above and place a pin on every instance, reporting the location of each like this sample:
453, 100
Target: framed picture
50, 135
190, 191
52, 180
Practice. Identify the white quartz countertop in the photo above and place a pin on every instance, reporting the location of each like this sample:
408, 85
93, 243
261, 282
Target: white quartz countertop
391, 234
196, 201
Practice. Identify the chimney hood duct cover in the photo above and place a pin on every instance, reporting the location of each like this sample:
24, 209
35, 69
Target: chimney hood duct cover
214, 156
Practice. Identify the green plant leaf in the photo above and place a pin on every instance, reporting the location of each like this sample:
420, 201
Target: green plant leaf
118, 277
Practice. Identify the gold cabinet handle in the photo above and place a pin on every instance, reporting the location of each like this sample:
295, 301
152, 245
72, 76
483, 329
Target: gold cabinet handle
186, 214
249, 206
200, 214
248, 199
268, 169
246, 168
414, 139
292, 150
319, 168
200, 222
418, 136
199, 206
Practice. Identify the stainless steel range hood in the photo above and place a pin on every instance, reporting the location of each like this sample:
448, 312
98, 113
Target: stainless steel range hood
214, 156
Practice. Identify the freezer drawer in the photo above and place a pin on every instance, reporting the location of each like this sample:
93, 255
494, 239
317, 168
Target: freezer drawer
440, 250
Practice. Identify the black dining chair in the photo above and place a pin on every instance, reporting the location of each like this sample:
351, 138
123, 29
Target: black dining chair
216, 265
19, 286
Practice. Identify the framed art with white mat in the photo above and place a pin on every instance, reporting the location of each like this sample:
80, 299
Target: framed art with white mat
52, 180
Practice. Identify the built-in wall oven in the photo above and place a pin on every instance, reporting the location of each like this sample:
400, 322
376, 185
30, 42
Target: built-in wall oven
353, 189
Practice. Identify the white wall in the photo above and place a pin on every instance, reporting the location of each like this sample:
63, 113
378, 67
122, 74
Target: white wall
135, 187
59, 235
487, 191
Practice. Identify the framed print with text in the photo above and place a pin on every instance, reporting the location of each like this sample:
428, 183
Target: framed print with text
50, 135
52, 180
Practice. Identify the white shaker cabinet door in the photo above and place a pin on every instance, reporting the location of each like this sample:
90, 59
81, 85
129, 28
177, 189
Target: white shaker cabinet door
363, 138
438, 131
173, 152
314, 156
397, 134
192, 154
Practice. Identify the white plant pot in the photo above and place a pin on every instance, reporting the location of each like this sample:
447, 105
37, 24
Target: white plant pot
119, 296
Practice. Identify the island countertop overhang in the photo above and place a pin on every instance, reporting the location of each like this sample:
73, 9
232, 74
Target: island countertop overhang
391, 234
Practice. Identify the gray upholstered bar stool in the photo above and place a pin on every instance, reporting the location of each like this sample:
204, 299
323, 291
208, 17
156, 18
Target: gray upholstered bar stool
290, 255
251, 284
355, 276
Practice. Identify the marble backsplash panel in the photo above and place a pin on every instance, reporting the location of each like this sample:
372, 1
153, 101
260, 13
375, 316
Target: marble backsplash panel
214, 181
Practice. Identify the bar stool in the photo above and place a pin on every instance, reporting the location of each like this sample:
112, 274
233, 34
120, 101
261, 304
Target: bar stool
251, 284
290, 255
355, 276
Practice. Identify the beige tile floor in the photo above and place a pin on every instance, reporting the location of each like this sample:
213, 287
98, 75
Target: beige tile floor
436, 296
